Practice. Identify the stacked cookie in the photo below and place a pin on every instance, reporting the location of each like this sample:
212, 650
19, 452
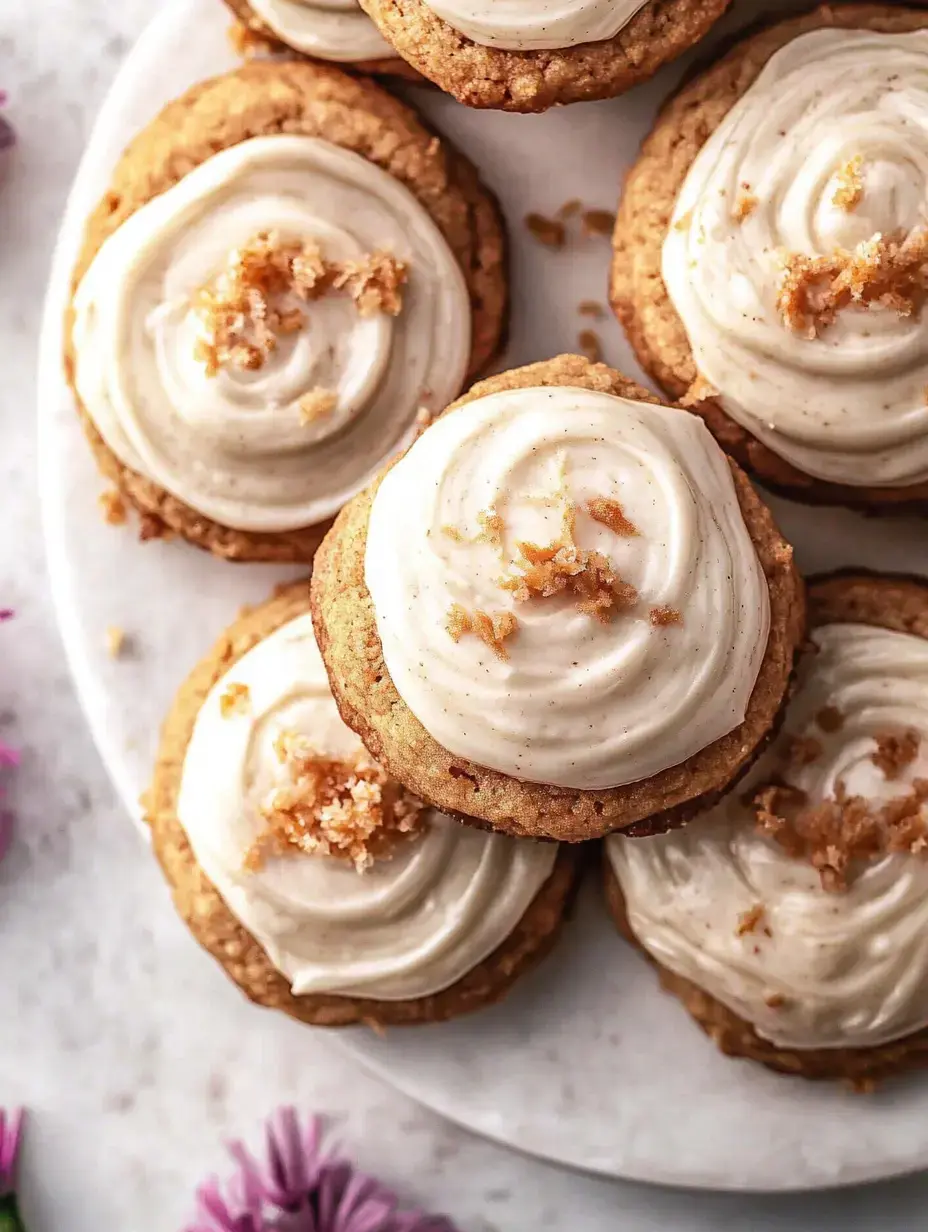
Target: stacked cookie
554, 611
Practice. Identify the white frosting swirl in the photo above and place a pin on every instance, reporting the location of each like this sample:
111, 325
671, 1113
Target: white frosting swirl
577, 703
848, 406
536, 25
851, 968
330, 29
409, 926
234, 446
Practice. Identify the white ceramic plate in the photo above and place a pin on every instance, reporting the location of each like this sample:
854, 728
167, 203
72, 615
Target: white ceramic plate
587, 1064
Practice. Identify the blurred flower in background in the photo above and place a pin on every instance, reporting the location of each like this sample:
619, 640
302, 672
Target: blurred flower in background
11, 1129
8, 759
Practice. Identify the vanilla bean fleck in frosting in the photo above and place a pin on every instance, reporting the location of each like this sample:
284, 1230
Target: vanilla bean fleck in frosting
536, 25
426, 911
247, 444
330, 29
827, 968
604, 510
830, 147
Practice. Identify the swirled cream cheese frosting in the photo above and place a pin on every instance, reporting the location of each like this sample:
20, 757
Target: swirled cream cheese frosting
330, 29
536, 25
822, 969
235, 444
827, 150
407, 927
558, 690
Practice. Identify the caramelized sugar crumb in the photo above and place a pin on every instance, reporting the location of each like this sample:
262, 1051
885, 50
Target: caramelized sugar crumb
597, 223
699, 391
569, 208
609, 512
745, 204
235, 699
895, 751
886, 271
683, 221
590, 308
492, 527
833, 834
590, 345
113, 507
850, 184
547, 231
454, 534
491, 627
317, 404
775, 1000
830, 719
375, 283
662, 616
348, 809
803, 750
749, 920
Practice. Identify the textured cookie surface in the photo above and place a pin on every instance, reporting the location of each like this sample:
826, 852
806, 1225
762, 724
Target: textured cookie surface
217, 930
638, 294
896, 603
370, 704
535, 80
306, 99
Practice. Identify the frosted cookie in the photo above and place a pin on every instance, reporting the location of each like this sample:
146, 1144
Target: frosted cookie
771, 254
324, 888
334, 30
791, 919
522, 55
562, 611
287, 270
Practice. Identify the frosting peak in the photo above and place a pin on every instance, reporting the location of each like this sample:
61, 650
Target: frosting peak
330, 29
536, 25
564, 587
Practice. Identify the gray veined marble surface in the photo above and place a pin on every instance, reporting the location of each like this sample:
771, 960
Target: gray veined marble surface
115, 1030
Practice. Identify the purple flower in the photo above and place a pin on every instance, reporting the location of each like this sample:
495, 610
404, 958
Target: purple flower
11, 1129
299, 1188
8, 756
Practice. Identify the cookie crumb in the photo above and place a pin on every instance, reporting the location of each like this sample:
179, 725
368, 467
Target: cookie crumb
547, 231
152, 527
247, 43
895, 751
113, 507
830, 719
115, 641
492, 527
235, 699
749, 920
317, 404
745, 204
850, 184
699, 391
683, 221
802, 750
589, 343
375, 283
348, 809
774, 1000
491, 627
886, 271
664, 616
597, 223
569, 208
609, 512
590, 308
424, 419
455, 535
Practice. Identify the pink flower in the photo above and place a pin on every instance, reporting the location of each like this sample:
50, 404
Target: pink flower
11, 1130
298, 1188
8, 756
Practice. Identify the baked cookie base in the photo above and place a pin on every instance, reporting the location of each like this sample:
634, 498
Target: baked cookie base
203, 910
306, 98
850, 595
637, 292
531, 81
370, 704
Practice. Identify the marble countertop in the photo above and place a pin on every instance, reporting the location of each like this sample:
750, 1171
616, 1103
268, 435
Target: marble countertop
108, 1010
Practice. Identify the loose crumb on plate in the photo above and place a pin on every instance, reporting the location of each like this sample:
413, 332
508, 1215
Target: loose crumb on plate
113, 506
590, 345
548, 231
596, 223
591, 308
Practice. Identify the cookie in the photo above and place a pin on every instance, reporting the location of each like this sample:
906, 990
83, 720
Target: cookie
522, 59
764, 252
788, 920
342, 35
322, 888
563, 611
287, 271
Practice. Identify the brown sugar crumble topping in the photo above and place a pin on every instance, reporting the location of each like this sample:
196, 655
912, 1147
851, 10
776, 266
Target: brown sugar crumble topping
491, 627
663, 616
235, 699
803, 750
609, 512
699, 391
749, 920
552, 232
886, 271
317, 404
589, 343
598, 223
850, 184
492, 527
548, 231
895, 751
242, 309
830, 719
347, 809
113, 507
832, 835
745, 204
